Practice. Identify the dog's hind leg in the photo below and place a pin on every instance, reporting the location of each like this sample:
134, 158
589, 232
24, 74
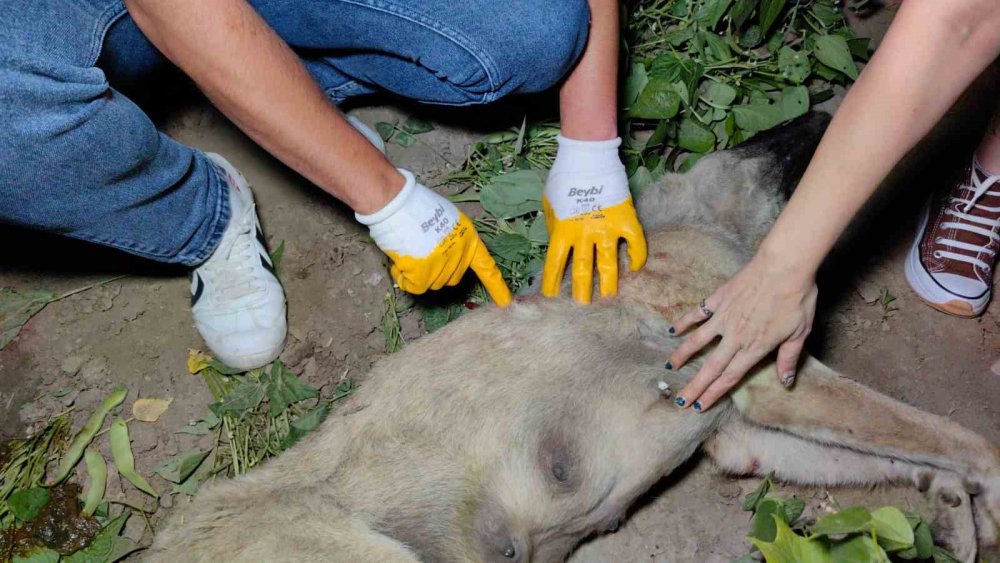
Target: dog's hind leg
742, 448
827, 408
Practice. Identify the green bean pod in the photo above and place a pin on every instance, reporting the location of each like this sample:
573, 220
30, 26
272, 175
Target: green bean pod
86, 435
121, 451
97, 472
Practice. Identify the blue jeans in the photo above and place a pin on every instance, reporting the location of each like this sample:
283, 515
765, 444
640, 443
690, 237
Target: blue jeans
79, 158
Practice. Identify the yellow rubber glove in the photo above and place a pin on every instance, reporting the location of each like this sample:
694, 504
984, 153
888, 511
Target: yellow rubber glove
431, 243
588, 208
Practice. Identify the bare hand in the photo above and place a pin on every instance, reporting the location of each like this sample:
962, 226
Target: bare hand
763, 307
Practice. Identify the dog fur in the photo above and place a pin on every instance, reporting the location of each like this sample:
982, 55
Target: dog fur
510, 435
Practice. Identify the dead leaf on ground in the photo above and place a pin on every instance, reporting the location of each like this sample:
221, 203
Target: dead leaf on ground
17, 308
149, 410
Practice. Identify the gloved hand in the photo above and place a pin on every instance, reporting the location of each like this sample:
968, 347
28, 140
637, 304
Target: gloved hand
588, 206
431, 243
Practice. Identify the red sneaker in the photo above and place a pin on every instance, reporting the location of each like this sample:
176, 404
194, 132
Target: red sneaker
950, 265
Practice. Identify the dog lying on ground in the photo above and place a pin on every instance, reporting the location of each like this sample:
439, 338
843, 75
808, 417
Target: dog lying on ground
510, 435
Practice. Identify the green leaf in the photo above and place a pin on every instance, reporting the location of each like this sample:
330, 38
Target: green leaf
276, 257
689, 162
859, 47
768, 511
385, 130
513, 194
753, 499
720, 94
923, 542
305, 424
416, 126
717, 47
26, 504
769, 12
178, 468
436, 316
891, 529
741, 12
942, 555
832, 50
658, 100
710, 12
38, 555
857, 549
794, 507
667, 67
284, 389
203, 426
794, 102
405, 139
847, 521
512, 247
751, 37
794, 64
695, 137
635, 83
756, 117
107, 545
639, 179
827, 15
17, 308
246, 396
788, 547
537, 232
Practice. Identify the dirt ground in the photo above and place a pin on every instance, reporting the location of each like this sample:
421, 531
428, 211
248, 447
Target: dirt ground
137, 331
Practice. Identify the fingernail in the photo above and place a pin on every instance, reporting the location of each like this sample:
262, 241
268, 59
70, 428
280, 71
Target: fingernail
672, 330
788, 378
697, 406
680, 402
668, 365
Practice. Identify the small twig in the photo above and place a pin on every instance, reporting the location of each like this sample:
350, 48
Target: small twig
86, 288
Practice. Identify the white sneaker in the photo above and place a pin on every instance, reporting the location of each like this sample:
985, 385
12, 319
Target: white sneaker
237, 301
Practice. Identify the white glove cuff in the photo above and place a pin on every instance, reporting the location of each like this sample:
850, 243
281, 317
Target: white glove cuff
394, 205
414, 222
586, 176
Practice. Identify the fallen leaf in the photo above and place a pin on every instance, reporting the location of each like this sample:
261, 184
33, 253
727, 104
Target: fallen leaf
198, 361
17, 308
149, 410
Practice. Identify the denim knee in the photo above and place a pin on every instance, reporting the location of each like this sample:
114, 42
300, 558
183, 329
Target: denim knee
552, 36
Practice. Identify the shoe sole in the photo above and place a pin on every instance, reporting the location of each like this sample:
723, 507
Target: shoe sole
929, 292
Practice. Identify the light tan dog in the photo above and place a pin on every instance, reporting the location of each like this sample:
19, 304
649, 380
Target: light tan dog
510, 435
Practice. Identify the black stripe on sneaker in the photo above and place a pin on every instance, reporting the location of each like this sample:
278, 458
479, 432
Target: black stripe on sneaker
268, 266
198, 290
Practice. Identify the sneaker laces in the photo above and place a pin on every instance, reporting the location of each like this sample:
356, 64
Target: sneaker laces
233, 266
961, 210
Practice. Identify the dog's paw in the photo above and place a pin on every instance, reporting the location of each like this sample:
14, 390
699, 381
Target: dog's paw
954, 525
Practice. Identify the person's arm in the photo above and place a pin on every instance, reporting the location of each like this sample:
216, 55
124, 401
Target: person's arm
587, 203
931, 54
259, 83
588, 100
256, 80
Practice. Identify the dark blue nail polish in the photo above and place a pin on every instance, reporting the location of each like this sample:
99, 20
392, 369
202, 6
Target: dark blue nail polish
680, 402
668, 365
697, 406
672, 330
